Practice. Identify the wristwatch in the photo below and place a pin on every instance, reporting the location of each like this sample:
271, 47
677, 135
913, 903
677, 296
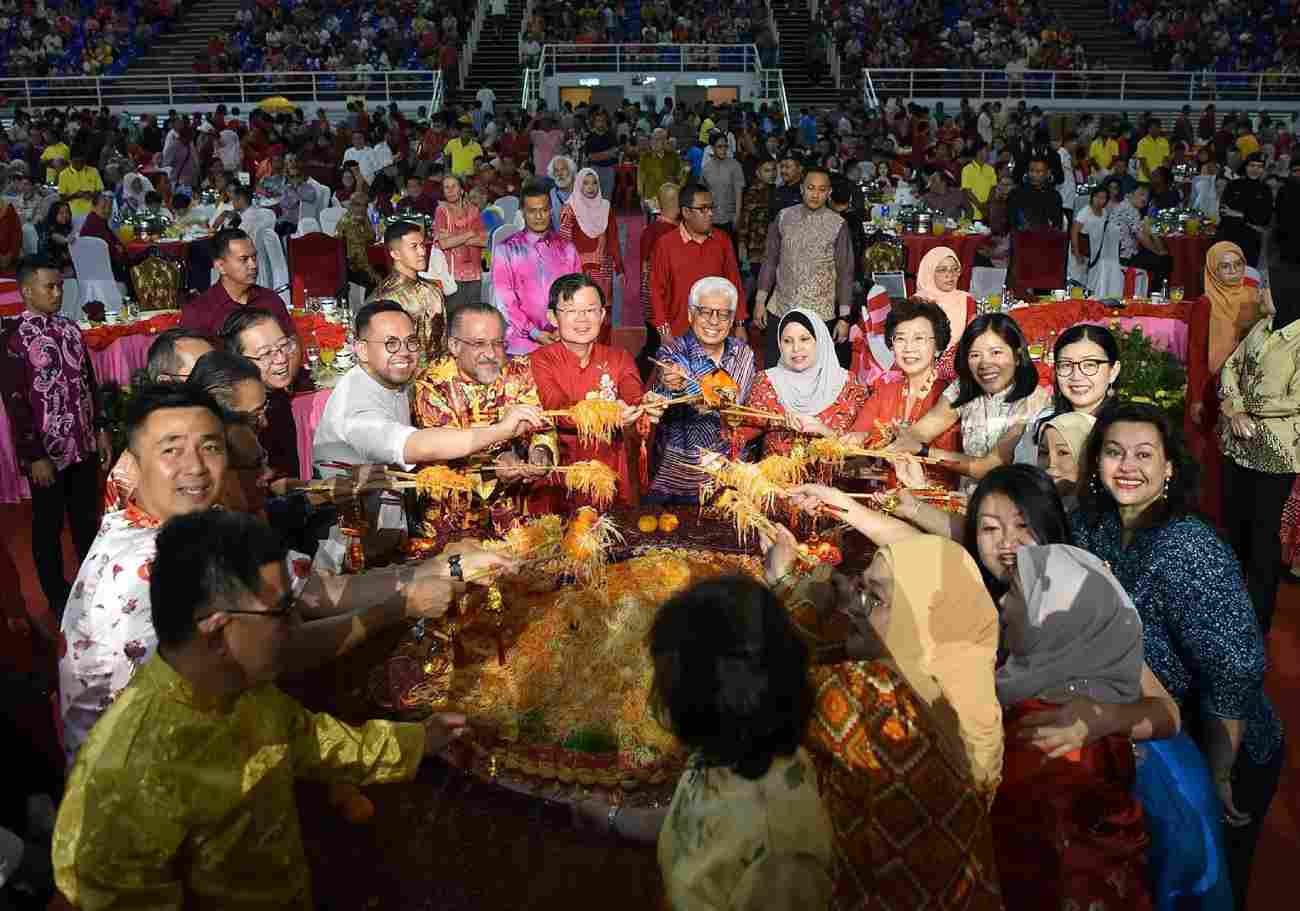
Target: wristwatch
924, 451
453, 567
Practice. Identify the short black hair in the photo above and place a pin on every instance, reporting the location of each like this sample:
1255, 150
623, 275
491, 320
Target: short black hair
919, 308
731, 674
204, 559
151, 397
566, 286
1081, 332
532, 189
222, 240
30, 265
686, 196
373, 309
1007, 329
399, 229
1039, 502
480, 307
816, 169
217, 372
162, 357
180, 200
237, 321
1181, 496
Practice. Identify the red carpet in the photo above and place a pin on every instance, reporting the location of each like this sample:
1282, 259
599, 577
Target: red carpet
454, 844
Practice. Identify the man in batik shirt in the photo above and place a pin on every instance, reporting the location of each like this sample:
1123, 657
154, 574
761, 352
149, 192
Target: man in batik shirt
474, 385
419, 297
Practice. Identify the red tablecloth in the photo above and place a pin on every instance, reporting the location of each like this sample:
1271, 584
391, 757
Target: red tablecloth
1189, 263
964, 245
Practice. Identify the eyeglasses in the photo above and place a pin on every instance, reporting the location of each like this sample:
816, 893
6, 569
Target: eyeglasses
913, 341
286, 609
714, 316
283, 350
701, 208
480, 346
1087, 368
589, 312
393, 345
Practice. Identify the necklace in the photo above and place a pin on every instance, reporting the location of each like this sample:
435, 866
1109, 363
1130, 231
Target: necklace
920, 396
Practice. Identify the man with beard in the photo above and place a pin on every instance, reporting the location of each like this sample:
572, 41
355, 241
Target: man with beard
475, 386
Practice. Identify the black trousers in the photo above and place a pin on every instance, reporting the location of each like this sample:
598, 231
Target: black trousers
1252, 514
1158, 267
74, 493
772, 344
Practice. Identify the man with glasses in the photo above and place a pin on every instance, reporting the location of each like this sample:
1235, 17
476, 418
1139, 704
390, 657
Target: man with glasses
204, 749
809, 264
523, 267
683, 257
256, 335
178, 435
367, 420
236, 259
475, 386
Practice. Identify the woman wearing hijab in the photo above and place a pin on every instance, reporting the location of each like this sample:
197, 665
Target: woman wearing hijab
808, 387
1258, 437
132, 189
588, 221
1246, 208
1068, 830
1216, 325
936, 280
1060, 449
906, 730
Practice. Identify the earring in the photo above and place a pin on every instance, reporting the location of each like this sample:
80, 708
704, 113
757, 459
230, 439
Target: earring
1095, 486
1165, 492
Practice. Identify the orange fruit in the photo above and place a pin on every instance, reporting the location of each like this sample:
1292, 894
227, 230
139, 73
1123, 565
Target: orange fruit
647, 524
668, 523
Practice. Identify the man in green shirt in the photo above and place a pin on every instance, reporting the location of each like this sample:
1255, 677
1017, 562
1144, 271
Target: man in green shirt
658, 166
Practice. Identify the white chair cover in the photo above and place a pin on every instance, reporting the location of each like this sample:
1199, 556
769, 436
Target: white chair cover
77, 222
313, 209
329, 219
271, 250
509, 206
985, 280
439, 270
307, 226
94, 270
256, 218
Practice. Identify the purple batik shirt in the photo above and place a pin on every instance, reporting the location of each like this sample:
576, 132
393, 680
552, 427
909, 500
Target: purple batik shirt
523, 268
49, 390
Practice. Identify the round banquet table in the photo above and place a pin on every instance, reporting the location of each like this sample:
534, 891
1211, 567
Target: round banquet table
1189, 263
1164, 324
964, 245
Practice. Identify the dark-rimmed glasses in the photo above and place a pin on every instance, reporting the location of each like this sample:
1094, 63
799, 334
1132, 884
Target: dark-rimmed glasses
284, 349
1087, 367
392, 344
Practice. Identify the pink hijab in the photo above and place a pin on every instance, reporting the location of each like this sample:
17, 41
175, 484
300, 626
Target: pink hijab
952, 303
593, 214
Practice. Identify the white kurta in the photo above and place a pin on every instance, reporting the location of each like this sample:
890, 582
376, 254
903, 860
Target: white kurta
1105, 278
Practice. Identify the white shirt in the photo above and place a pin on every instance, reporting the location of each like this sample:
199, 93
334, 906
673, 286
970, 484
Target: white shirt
365, 159
488, 98
382, 156
365, 423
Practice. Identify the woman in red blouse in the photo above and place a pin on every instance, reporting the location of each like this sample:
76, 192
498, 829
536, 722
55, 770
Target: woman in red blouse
916, 330
588, 220
816, 396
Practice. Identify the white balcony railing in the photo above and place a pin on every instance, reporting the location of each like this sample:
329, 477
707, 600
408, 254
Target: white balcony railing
1089, 85
229, 88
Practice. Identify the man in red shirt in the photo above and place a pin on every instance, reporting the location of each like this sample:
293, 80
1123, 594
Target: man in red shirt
665, 222
236, 259
681, 258
96, 225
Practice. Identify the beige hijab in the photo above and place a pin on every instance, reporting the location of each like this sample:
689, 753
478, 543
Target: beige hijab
1074, 426
952, 303
943, 637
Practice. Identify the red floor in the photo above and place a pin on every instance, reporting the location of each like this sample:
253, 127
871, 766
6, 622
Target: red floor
535, 828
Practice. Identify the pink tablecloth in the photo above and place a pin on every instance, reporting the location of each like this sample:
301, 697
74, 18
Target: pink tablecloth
307, 409
1167, 334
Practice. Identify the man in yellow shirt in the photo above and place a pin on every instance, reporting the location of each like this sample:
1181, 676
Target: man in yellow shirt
1104, 149
978, 178
79, 184
1152, 151
56, 154
183, 795
1247, 144
462, 152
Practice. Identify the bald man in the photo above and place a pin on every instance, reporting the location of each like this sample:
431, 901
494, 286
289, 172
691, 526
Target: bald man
658, 166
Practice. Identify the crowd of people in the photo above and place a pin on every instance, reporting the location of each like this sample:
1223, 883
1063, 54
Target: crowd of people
623, 22
1092, 596
79, 39
1216, 37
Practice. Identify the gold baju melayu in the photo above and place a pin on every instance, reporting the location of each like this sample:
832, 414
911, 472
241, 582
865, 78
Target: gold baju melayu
424, 303
178, 802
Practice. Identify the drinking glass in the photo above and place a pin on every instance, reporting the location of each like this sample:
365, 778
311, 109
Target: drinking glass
995, 303
1176, 294
313, 355
327, 356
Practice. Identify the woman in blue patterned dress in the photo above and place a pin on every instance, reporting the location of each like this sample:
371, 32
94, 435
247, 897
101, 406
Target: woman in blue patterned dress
1201, 638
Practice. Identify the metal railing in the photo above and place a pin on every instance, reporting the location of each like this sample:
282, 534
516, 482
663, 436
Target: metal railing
471, 40
648, 58
229, 88
1083, 85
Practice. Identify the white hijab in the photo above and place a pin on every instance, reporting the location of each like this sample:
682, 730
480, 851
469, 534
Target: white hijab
229, 151
811, 391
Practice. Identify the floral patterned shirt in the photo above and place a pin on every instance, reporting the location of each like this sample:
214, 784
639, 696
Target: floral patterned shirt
49, 390
1262, 378
107, 629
